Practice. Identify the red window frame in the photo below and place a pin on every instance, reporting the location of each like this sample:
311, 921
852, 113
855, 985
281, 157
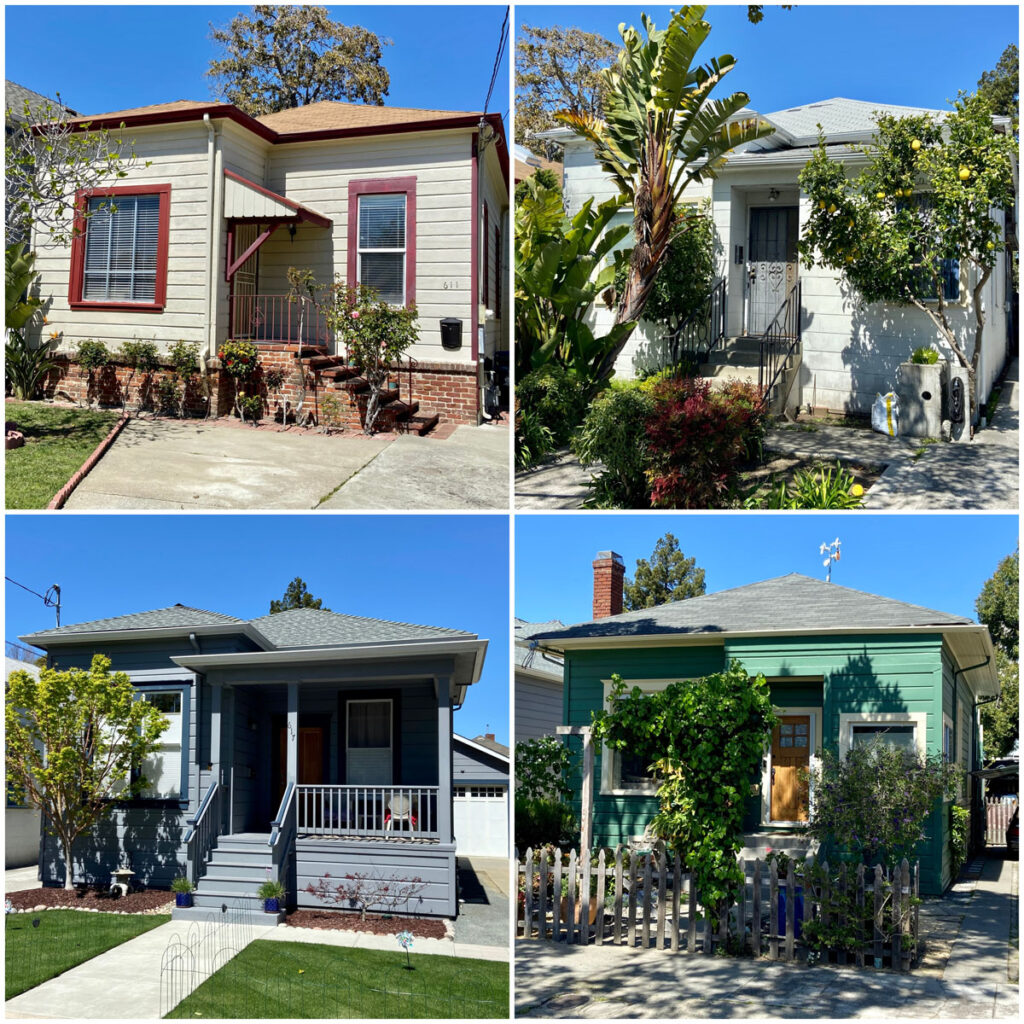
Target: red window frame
82, 197
384, 186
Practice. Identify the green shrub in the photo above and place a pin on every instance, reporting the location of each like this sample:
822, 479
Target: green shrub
25, 367
533, 439
540, 821
184, 357
239, 358
169, 395
543, 176
557, 398
614, 433
182, 884
925, 356
542, 765
250, 406
92, 355
818, 488
959, 831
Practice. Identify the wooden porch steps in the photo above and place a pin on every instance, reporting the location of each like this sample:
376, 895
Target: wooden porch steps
237, 867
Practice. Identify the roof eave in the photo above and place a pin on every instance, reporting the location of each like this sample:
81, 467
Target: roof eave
51, 638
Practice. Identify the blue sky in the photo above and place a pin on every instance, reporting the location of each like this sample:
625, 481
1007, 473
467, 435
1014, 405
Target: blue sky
910, 55
431, 570
441, 59
938, 561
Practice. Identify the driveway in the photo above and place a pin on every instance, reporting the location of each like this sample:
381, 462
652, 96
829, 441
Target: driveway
163, 464
968, 971
483, 901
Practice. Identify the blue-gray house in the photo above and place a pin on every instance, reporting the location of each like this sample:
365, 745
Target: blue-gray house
301, 743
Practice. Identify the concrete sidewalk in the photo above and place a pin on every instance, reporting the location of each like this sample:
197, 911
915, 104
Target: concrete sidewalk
573, 981
18, 879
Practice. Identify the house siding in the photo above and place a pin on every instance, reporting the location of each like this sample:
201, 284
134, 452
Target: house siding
475, 766
538, 707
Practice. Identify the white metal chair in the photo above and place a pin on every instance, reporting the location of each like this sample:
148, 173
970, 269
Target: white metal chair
400, 809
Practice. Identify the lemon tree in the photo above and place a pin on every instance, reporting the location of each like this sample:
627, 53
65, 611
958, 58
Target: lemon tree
928, 194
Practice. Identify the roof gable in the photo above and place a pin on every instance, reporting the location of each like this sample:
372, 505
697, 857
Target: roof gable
314, 627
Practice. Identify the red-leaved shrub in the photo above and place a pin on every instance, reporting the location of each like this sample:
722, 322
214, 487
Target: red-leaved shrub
698, 438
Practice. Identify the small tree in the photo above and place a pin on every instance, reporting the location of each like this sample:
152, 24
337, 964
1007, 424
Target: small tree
704, 740
74, 740
240, 361
285, 56
297, 596
376, 335
925, 199
140, 357
998, 608
669, 576
365, 890
875, 800
184, 356
92, 356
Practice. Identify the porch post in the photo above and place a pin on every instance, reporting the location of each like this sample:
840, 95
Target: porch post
292, 763
227, 773
444, 760
215, 729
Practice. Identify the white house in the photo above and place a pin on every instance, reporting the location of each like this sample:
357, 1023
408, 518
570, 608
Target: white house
219, 205
850, 349
22, 823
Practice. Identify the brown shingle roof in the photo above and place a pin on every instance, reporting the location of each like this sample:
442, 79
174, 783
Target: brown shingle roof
153, 108
332, 116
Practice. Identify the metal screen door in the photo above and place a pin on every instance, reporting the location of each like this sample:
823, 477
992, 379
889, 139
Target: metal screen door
771, 270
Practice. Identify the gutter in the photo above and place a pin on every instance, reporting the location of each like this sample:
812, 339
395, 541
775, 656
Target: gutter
211, 287
54, 639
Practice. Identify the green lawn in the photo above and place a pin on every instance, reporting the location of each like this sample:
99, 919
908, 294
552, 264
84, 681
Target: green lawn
298, 979
63, 939
57, 442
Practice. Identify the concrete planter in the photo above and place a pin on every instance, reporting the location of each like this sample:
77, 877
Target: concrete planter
920, 393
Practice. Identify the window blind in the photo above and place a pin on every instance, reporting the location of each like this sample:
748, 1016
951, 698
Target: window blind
121, 249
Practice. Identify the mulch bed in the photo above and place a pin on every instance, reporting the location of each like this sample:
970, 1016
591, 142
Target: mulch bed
146, 902
422, 928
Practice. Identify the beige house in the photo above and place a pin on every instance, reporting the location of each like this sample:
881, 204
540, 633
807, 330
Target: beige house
219, 205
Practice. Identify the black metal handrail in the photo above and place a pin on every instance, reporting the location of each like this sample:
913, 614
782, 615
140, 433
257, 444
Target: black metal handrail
701, 332
778, 343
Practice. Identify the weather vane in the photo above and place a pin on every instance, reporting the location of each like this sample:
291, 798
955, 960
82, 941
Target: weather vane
831, 551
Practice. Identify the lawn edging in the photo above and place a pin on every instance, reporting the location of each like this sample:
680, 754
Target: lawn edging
82, 472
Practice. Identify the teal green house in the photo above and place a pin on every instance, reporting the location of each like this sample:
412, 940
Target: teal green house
843, 666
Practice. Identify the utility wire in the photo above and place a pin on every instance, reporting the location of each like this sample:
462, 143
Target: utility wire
502, 43
51, 598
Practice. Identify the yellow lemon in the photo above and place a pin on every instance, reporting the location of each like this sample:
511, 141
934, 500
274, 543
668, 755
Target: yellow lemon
915, 145
857, 491
908, 192
990, 245
821, 204
832, 208
965, 173
850, 222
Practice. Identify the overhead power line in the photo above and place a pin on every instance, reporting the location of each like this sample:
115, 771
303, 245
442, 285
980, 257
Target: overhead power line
51, 598
502, 43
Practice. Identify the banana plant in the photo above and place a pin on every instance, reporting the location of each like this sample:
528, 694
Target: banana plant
661, 132
19, 273
561, 269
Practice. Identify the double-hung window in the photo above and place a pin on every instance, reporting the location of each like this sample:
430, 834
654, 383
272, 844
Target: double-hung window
382, 238
948, 270
163, 768
119, 253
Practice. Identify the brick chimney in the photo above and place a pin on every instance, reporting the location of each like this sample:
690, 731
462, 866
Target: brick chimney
489, 736
609, 572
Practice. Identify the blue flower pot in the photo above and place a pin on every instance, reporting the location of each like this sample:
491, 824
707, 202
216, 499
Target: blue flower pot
798, 907
183, 899
272, 905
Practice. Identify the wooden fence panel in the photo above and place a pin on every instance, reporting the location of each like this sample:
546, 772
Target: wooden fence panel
755, 931
844, 893
790, 911
905, 917
601, 887
584, 911
617, 923
542, 916
677, 881
556, 899
741, 911
528, 910
648, 903
861, 936
879, 887
570, 905
631, 919
691, 904
773, 911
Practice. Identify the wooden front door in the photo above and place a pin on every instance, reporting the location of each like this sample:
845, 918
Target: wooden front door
311, 758
791, 757
771, 269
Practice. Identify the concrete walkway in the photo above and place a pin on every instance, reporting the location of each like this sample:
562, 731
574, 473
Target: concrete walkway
17, 879
483, 903
558, 482
602, 982
167, 464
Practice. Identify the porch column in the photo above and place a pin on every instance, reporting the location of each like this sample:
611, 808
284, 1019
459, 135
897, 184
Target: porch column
444, 760
292, 762
216, 698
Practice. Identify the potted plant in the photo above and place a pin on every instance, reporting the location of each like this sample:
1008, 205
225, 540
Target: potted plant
271, 893
182, 889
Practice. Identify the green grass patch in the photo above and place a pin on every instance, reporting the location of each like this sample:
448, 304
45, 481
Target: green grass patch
63, 939
297, 979
57, 442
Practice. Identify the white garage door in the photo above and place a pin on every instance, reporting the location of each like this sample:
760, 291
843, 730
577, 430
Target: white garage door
481, 821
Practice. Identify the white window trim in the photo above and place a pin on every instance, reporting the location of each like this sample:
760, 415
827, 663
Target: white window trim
947, 723
814, 762
391, 726
608, 756
181, 746
403, 251
919, 719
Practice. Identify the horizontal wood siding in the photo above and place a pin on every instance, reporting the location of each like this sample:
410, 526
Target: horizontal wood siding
475, 766
433, 864
317, 175
538, 708
177, 154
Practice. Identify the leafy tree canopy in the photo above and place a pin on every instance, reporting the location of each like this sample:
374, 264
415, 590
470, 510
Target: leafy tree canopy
557, 69
669, 576
998, 607
73, 740
297, 596
926, 195
755, 12
279, 57
1001, 86
544, 177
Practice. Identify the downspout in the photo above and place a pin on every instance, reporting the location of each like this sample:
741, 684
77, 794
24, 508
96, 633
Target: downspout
215, 191
485, 137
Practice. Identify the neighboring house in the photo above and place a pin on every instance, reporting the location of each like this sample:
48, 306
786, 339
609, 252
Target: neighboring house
844, 667
21, 822
538, 683
300, 743
219, 205
849, 351
480, 779
527, 164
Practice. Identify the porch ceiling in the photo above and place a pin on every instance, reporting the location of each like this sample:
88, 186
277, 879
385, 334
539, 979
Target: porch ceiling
245, 200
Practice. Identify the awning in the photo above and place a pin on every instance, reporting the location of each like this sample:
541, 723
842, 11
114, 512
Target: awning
997, 773
245, 200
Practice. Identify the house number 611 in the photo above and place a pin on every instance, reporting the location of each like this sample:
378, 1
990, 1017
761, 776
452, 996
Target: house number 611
450, 285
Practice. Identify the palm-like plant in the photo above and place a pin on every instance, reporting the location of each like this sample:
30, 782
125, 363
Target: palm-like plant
661, 131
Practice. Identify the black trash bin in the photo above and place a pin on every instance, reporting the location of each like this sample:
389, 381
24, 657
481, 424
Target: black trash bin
451, 332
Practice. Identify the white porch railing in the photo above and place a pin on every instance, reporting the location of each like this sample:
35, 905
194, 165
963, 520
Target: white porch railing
390, 812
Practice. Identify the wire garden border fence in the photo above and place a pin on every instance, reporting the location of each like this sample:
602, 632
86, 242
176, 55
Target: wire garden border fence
646, 899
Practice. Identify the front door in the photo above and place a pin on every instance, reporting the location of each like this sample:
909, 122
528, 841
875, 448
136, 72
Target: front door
311, 758
244, 318
771, 270
791, 757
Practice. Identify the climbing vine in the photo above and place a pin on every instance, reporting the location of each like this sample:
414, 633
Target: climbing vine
704, 739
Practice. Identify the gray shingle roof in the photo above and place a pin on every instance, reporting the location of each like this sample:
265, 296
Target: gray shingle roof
530, 657
15, 97
16, 665
839, 116
792, 602
178, 615
311, 627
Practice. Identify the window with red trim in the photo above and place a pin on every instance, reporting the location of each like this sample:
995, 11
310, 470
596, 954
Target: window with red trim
119, 253
382, 237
